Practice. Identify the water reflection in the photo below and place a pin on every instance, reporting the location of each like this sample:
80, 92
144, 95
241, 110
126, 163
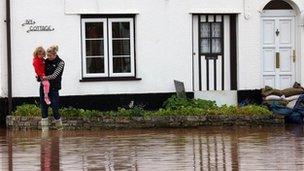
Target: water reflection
205, 148
49, 152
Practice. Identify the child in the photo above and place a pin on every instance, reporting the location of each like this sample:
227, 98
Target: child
38, 63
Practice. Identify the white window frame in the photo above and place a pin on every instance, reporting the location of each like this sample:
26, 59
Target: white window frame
132, 53
84, 56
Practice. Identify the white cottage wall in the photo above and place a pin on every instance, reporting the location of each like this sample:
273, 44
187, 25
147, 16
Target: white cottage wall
163, 42
163, 49
3, 56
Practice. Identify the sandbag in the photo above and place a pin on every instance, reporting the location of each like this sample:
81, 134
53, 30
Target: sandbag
291, 98
292, 91
291, 104
273, 97
270, 91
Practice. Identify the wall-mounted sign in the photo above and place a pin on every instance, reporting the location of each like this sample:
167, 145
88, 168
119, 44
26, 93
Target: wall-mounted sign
28, 22
32, 26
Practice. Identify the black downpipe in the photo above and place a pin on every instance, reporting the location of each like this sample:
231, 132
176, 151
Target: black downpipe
9, 59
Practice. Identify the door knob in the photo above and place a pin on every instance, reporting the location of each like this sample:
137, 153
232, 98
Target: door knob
277, 32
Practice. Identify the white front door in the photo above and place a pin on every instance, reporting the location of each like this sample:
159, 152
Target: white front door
278, 52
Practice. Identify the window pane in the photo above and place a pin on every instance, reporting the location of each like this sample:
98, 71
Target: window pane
95, 65
203, 18
94, 30
121, 30
218, 18
216, 29
205, 30
121, 47
205, 46
94, 48
121, 65
216, 46
210, 18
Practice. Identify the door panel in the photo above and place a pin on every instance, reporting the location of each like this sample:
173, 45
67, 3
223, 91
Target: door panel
203, 73
285, 61
268, 34
195, 56
219, 73
210, 68
285, 81
269, 60
269, 80
284, 47
285, 31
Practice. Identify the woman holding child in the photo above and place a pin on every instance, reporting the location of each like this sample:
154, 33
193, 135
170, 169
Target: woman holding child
50, 83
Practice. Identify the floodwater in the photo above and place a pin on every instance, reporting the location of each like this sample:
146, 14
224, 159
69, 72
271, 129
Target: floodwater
204, 148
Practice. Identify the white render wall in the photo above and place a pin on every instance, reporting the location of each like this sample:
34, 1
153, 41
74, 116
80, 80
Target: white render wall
3, 56
163, 42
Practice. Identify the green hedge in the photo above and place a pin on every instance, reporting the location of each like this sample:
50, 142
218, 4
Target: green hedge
174, 106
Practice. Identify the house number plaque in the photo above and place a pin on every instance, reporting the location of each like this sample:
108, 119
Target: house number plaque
32, 26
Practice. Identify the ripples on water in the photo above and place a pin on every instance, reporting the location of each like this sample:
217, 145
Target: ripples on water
205, 148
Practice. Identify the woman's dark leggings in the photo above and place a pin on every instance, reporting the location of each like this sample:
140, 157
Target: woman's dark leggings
54, 98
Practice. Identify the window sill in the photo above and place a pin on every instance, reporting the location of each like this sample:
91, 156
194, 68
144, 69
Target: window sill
109, 79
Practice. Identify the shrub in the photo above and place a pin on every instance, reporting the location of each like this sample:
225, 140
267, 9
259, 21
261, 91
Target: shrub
250, 110
134, 111
27, 110
175, 102
203, 104
34, 110
137, 111
254, 110
73, 112
174, 106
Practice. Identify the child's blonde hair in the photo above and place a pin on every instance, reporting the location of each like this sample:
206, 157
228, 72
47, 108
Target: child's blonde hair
38, 50
53, 49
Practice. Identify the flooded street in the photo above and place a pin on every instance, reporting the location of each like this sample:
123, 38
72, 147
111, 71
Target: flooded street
205, 148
